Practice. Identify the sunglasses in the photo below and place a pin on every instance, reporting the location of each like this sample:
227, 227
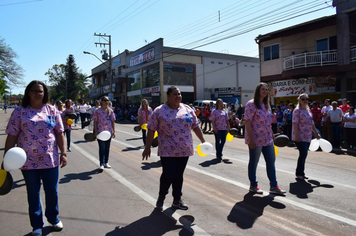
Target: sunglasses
105, 100
304, 99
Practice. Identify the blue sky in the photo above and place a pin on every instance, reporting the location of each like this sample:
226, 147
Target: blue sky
44, 32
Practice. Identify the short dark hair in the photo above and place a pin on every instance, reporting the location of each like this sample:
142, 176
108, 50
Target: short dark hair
170, 89
26, 98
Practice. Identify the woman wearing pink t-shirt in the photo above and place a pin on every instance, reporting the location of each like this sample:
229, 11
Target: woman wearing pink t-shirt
143, 115
259, 138
173, 121
104, 119
37, 127
221, 126
303, 126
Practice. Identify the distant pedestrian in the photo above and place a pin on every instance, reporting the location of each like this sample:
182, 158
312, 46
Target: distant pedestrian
104, 120
335, 116
350, 128
259, 138
303, 126
221, 126
143, 115
5, 108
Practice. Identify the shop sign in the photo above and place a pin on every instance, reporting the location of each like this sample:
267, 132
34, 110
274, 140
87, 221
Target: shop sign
146, 56
310, 86
151, 90
154, 94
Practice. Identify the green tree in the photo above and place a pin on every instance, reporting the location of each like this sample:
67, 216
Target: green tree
67, 81
9, 69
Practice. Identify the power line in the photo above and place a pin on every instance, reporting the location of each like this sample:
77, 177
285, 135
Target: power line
17, 3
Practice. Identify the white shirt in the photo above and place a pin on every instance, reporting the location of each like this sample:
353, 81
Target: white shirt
350, 124
335, 115
325, 109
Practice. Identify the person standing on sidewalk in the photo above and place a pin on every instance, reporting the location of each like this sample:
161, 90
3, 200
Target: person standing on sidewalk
173, 121
221, 126
259, 138
335, 116
303, 126
143, 115
104, 119
37, 127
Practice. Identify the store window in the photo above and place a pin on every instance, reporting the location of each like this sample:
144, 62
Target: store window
178, 75
271, 52
150, 77
134, 81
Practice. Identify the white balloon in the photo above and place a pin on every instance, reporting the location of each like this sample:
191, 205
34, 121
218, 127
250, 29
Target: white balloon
325, 145
14, 158
314, 145
206, 148
104, 135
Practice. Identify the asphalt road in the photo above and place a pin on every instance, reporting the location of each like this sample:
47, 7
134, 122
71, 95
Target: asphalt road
121, 200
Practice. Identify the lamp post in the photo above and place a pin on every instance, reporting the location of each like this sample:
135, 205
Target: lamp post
108, 67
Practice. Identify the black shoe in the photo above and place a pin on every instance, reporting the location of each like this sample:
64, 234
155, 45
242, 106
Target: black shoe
180, 205
159, 203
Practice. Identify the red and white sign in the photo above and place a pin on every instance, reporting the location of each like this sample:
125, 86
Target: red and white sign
146, 56
151, 90
310, 85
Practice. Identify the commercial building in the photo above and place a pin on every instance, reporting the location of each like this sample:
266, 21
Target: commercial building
148, 72
317, 57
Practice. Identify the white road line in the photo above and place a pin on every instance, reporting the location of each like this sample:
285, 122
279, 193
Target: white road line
282, 199
145, 196
279, 170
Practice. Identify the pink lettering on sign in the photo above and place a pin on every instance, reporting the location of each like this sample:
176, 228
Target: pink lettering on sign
146, 56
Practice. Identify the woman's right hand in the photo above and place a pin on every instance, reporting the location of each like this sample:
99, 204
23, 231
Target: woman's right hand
146, 153
251, 144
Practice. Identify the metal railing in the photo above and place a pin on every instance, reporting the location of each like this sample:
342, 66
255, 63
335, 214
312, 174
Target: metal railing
353, 54
310, 59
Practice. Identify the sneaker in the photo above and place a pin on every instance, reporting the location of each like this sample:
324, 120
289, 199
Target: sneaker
180, 205
107, 166
58, 226
159, 203
277, 190
37, 232
69, 150
255, 189
102, 167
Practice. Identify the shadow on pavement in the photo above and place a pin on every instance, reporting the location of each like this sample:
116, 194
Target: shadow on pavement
147, 166
301, 188
210, 162
80, 176
245, 213
157, 223
130, 139
131, 149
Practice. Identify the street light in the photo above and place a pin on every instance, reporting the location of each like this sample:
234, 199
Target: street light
108, 67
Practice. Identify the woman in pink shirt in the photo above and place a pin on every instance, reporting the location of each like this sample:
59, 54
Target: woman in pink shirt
303, 126
143, 115
37, 127
259, 138
104, 119
220, 120
173, 121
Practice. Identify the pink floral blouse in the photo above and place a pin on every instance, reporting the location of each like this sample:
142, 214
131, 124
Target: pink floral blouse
36, 130
142, 113
261, 124
103, 120
174, 130
304, 119
219, 117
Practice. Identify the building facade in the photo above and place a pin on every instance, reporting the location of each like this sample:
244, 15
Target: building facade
150, 70
317, 57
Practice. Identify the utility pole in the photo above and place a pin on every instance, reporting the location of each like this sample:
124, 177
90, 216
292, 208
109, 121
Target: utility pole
107, 38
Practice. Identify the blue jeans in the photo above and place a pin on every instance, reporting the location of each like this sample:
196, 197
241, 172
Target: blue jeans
104, 148
335, 130
67, 134
50, 185
144, 136
172, 174
303, 152
270, 158
220, 139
